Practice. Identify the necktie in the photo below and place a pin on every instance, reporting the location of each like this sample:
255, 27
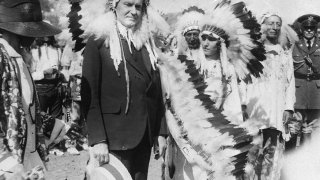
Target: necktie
309, 44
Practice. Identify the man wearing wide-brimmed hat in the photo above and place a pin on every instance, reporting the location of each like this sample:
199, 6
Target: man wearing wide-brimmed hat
23, 148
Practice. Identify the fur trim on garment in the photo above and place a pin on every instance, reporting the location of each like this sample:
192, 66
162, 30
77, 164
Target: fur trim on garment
96, 17
105, 27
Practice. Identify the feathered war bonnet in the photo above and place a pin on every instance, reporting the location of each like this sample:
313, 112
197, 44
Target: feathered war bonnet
105, 26
209, 28
287, 35
98, 18
189, 20
238, 32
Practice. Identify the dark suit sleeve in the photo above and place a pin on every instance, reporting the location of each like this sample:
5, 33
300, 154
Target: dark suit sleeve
90, 92
163, 126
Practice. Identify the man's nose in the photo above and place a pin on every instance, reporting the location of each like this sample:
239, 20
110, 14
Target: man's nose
133, 10
275, 26
205, 43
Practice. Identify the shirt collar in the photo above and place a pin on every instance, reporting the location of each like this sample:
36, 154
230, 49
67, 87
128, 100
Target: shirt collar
123, 30
9, 49
127, 34
311, 41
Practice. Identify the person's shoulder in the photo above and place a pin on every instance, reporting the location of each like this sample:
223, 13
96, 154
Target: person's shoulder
317, 40
99, 42
298, 44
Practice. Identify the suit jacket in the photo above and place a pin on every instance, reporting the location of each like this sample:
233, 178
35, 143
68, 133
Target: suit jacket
104, 97
307, 92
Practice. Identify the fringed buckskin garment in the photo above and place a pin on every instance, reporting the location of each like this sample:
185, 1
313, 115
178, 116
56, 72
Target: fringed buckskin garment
268, 97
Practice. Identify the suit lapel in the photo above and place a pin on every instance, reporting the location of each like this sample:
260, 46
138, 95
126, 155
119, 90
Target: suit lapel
146, 60
131, 59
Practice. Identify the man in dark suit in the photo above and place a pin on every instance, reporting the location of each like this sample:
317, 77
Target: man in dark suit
306, 55
123, 101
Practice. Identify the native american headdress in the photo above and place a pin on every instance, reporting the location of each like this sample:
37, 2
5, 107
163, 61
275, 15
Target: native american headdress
238, 32
189, 20
203, 133
97, 17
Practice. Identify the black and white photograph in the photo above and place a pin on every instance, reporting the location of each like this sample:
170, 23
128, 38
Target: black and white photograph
159, 89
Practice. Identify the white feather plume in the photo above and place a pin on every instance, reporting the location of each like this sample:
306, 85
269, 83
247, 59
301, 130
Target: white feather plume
194, 117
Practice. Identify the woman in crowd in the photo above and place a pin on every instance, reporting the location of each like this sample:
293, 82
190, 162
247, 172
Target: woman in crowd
196, 98
219, 74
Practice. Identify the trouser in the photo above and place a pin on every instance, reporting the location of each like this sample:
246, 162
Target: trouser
136, 160
308, 116
50, 100
267, 165
272, 135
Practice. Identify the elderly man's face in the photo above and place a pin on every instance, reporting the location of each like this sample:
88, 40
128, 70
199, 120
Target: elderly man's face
129, 12
192, 38
273, 27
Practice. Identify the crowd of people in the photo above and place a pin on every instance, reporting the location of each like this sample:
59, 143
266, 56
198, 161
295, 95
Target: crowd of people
226, 95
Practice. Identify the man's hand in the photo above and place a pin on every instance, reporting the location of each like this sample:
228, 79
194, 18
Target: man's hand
287, 115
101, 153
162, 143
294, 127
309, 128
59, 131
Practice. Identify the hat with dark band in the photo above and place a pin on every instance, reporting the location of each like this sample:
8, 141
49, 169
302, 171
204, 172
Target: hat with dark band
310, 22
113, 170
24, 17
306, 21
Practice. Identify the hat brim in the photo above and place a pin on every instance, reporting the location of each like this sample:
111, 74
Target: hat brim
113, 170
30, 29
